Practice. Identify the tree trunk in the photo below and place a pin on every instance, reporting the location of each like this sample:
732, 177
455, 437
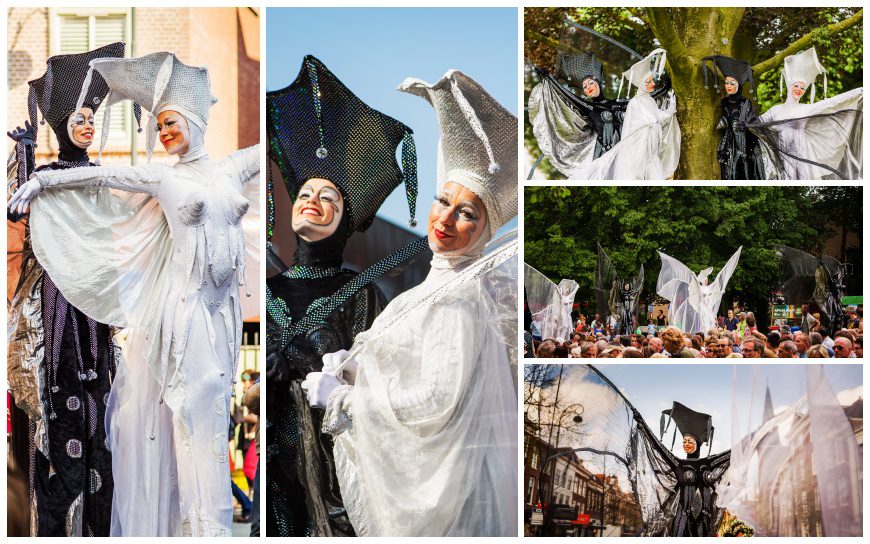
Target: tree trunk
689, 35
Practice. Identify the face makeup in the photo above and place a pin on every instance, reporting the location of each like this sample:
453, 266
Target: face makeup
317, 210
731, 85
457, 219
689, 444
80, 128
591, 88
174, 132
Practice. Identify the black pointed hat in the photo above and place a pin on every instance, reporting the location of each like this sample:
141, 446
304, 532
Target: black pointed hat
727, 67
57, 91
689, 422
576, 68
318, 128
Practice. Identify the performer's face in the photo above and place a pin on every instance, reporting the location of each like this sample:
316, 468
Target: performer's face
731, 85
174, 132
457, 219
80, 127
317, 210
591, 88
798, 88
649, 84
689, 444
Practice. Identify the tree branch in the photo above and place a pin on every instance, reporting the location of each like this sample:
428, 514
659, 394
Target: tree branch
804, 42
660, 22
545, 40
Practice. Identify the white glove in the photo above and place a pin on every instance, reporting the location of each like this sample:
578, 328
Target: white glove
340, 359
20, 200
331, 361
318, 386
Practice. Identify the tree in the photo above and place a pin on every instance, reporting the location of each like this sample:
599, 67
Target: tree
761, 36
701, 226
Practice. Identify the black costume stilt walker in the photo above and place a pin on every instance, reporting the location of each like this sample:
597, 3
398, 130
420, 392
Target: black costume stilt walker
739, 153
615, 296
318, 128
677, 497
61, 362
806, 278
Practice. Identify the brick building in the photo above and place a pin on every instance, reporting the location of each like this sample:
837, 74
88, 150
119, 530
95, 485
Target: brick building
226, 40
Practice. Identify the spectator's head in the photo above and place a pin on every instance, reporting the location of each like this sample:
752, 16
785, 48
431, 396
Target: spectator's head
773, 339
695, 343
730, 314
816, 338
750, 320
655, 344
752, 348
842, 348
742, 316
588, 350
724, 343
625, 341
824, 332
802, 341
561, 351
547, 349
672, 339
859, 347
576, 352
788, 350
818, 351
575, 337
631, 353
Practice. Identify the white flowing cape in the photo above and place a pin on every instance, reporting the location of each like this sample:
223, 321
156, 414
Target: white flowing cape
432, 450
550, 304
826, 132
649, 147
693, 304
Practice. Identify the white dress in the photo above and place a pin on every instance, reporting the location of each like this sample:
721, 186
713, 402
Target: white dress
649, 147
426, 438
164, 258
825, 132
693, 303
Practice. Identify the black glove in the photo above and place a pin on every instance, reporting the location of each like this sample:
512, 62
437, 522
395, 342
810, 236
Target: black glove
25, 135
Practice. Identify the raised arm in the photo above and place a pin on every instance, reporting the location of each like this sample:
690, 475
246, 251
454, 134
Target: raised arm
245, 163
137, 179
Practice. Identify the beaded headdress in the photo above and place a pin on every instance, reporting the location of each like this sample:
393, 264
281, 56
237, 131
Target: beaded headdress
156, 82
576, 68
727, 67
478, 146
654, 64
55, 93
318, 128
805, 67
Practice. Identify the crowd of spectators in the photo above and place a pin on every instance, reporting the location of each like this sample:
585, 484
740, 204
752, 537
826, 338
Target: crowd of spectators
735, 336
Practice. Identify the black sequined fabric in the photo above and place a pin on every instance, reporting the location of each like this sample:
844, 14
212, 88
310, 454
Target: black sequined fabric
304, 498
318, 128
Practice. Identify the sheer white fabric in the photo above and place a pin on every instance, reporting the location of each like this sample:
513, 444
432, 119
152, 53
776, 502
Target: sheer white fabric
550, 304
160, 251
794, 455
824, 142
650, 143
432, 446
693, 303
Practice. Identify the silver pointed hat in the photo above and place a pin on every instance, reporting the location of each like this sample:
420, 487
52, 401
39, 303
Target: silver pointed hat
478, 145
154, 82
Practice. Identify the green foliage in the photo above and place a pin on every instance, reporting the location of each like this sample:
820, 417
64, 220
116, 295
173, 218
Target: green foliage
701, 226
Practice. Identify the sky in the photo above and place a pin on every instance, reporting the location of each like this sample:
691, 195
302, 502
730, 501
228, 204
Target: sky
707, 388
372, 50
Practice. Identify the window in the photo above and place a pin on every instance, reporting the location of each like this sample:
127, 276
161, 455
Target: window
80, 30
843, 491
530, 492
534, 462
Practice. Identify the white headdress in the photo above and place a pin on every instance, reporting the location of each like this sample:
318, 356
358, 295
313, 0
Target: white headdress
155, 82
654, 64
804, 67
478, 146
